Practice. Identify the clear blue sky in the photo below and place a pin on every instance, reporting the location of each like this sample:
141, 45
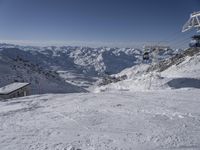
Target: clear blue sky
94, 22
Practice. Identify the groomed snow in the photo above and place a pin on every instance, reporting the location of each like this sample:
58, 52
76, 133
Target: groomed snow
161, 120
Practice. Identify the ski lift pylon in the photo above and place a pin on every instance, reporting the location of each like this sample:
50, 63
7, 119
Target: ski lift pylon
193, 22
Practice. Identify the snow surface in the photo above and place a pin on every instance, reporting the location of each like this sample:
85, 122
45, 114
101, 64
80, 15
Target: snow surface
189, 68
147, 111
162, 120
80, 80
12, 87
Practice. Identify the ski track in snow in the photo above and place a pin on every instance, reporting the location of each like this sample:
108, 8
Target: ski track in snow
168, 119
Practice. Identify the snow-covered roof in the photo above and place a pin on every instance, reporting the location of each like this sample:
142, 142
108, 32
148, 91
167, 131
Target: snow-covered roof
12, 87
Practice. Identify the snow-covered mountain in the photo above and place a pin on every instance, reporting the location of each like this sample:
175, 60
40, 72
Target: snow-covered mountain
77, 65
83, 62
179, 71
42, 81
86, 60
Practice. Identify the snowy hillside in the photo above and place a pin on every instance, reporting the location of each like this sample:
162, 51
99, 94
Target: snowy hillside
161, 120
179, 71
42, 81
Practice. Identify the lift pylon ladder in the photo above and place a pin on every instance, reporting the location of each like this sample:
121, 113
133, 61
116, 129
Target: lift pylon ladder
193, 22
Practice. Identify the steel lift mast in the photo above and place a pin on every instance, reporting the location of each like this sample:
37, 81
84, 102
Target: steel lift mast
193, 22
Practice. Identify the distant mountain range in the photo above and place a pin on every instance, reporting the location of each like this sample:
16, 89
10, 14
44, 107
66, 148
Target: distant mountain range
81, 64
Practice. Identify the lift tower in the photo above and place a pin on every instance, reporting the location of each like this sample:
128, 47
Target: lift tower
193, 22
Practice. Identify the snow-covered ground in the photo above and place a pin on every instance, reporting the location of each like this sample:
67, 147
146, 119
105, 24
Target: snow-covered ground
148, 109
167, 119
80, 80
190, 68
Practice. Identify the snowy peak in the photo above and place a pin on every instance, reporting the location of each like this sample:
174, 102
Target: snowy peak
84, 60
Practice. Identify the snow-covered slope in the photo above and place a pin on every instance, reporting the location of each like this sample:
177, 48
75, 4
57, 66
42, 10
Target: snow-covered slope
161, 120
42, 81
180, 71
189, 68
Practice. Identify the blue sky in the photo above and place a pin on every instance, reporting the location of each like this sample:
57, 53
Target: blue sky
115, 23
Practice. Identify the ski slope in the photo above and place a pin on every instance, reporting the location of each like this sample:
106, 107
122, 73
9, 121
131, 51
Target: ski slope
162, 120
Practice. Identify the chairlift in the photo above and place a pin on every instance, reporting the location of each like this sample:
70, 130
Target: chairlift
146, 56
195, 42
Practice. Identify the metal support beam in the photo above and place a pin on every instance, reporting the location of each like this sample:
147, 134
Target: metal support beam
193, 22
